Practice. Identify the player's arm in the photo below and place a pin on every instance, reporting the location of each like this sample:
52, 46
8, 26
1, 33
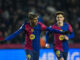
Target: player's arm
15, 33
71, 35
43, 27
47, 39
55, 31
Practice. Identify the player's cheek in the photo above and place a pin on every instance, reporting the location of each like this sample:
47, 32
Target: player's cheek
35, 21
63, 18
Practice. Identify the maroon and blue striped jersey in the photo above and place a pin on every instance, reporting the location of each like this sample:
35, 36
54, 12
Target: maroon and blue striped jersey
59, 42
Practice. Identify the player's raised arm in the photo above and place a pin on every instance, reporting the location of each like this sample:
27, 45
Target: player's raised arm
15, 33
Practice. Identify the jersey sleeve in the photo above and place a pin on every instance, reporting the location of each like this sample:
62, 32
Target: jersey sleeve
15, 33
43, 27
54, 30
71, 35
47, 37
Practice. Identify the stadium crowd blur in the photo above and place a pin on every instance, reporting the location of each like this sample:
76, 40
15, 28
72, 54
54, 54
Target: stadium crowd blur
13, 13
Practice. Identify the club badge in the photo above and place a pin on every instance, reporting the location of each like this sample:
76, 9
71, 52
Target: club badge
32, 36
61, 37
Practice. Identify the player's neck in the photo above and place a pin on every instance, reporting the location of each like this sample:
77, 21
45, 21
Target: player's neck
60, 24
32, 25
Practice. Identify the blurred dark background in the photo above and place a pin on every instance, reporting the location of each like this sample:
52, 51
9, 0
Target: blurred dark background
13, 13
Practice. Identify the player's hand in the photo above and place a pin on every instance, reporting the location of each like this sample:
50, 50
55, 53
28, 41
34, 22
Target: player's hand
66, 37
47, 45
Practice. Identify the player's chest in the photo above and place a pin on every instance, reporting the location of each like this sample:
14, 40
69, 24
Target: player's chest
30, 29
60, 37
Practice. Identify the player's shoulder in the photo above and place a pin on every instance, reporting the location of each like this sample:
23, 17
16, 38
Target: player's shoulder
67, 23
27, 23
40, 23
53, 25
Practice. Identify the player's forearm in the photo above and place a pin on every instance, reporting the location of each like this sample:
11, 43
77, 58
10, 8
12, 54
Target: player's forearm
54, 30
13, 35
47, 37
71, 35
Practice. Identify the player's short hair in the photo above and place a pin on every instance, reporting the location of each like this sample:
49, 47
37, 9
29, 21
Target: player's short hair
32, 15
60, 12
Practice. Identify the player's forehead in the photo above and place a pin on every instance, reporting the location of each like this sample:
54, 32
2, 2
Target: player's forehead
35, 18
59, 15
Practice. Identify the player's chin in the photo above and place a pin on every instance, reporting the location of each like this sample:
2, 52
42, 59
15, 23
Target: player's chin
35, 23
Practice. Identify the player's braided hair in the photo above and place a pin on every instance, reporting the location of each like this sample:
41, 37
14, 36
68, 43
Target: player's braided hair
60, 12
32, 15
